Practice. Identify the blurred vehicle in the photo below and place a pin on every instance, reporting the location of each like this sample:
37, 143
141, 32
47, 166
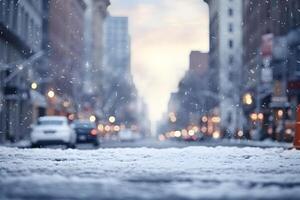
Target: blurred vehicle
137, 136
126, 136
52, 130
86, 132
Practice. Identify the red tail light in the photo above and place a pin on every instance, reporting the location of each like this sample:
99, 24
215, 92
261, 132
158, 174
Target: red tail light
94, 132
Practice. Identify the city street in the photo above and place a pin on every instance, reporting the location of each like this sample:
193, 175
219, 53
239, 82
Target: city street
149, 173
149, 99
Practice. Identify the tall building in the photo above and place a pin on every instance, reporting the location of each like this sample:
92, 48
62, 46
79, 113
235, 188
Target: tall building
261, 18
119, 92
271, 71
64, 44
119, 95
198, 70
187, 106
117, 43
95, 15
20, 39
225, 60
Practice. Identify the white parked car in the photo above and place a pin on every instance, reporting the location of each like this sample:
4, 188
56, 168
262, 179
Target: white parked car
52, 130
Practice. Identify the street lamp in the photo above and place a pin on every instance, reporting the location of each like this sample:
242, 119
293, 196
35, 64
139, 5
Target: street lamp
34, 85
51, 94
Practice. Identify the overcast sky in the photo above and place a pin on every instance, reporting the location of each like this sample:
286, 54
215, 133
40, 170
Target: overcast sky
163, 33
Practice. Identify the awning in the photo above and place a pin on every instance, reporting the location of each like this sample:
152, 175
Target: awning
38, 99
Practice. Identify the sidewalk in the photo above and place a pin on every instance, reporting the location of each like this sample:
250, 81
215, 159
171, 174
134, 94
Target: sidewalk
152, 143
19, 144
250, 143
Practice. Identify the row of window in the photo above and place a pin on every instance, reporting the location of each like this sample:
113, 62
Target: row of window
18, 20
230, 41
231, 57
8, 53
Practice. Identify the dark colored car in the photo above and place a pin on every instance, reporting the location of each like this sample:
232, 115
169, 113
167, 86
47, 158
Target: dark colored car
86, 132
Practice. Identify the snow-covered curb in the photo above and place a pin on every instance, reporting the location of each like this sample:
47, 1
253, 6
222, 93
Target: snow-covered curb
150, 173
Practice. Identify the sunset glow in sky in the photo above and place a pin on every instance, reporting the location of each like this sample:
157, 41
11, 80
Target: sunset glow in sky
163, 32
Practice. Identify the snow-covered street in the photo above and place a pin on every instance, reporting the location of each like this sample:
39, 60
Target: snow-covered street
146, 173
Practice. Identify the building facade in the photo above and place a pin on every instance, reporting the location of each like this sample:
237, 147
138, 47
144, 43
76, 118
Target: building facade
225, 61
119, 95
271, 50
64, 45
191, 102
117, 82
20, 38
95, 15
117, 43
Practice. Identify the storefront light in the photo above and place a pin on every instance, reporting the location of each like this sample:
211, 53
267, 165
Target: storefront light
177, 134
216, 119
247, 99
280, 113
240, 133
191, 132
253, 116
216, 134
260, 116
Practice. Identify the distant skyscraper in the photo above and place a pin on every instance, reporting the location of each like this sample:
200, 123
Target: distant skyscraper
117, 44
118, 88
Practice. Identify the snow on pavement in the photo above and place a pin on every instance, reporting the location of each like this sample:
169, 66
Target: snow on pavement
145, 173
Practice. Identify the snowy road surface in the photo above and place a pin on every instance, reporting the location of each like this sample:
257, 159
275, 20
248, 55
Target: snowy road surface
145, 173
